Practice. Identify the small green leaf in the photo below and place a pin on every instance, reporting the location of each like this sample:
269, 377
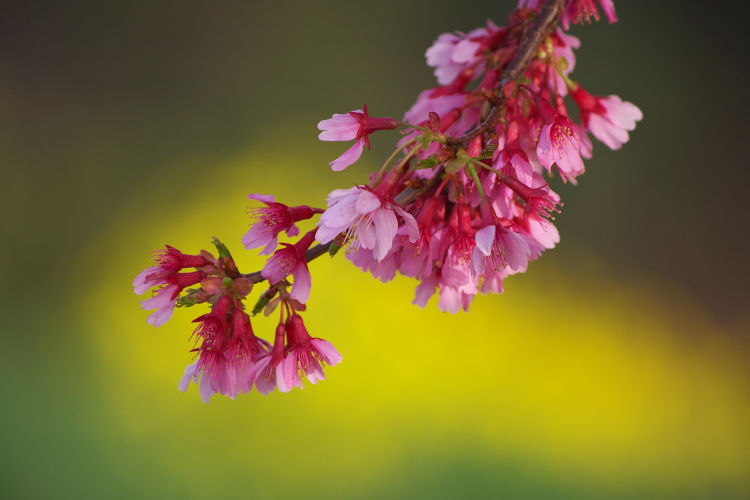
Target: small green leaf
263, 300
334, 248
191, 297
430, 162
454, 166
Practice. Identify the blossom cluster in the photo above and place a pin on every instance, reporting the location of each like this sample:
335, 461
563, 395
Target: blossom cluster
462, 203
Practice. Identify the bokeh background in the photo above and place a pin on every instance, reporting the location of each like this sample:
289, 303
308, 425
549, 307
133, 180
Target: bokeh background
617, 367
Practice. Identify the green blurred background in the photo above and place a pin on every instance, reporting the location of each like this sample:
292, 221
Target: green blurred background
617, 367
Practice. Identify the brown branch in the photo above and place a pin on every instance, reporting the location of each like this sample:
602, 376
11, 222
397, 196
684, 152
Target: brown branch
542, 28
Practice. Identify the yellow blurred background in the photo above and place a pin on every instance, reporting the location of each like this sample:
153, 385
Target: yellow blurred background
616, 367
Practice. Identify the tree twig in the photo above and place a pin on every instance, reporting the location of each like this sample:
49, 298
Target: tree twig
545, 23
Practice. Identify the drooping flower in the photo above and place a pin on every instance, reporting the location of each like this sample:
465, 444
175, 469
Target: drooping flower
227, 352
608, 118
451, 54
560, 144
578, 11
505, 250
267, 371
564, 61
166, 299
456, 267
353, 125
271, 220
168, 262
366, 219
291, 260
453, 299
306, 355
540, 201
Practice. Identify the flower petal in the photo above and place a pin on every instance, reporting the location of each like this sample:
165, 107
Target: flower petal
302, 283
485, 237
349, 157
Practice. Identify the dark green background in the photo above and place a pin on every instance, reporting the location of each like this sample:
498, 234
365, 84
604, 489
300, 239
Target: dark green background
96, 97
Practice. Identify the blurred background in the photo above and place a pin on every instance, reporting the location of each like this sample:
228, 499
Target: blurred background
617, 367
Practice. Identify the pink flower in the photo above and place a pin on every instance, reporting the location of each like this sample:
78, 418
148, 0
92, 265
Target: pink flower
291, 260
453, 299
563, 44
384, 270
368, 221
306, 355
504, 248
540, 201
578, 11
353, 125
440, 57
166, 299
451, 54
608, 118
168, 262
272, 220
560, 143
267, 371
227, 353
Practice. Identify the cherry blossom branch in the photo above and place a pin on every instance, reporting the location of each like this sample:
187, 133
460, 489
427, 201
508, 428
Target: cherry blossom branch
544, 25
461, 203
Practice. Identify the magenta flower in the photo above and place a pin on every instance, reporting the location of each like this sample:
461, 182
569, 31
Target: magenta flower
166, 299
454, 299
540, 201
266, 372
608, 118
168, 262
306, 355
353, 125
440, 57
227, 353
560, 143
563, 44
504, 248
451, 54
578, 11
366, 219
271, 220
291, 260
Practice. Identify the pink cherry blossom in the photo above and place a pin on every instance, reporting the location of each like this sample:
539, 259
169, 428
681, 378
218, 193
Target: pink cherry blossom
166, 299
608, 118
367, 220
267, 370
564, 63
306, 355
228, 351
462, 203
451, 54
453, 299
540, 201
499, 248
578, 11
560, 144
291, 260
168, 262
271, 220
353, 125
